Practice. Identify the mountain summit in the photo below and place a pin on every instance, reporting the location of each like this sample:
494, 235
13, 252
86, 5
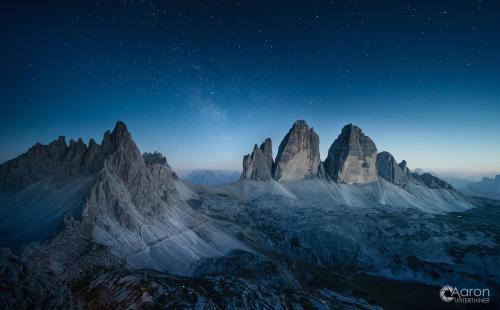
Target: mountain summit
352, 157
259, 164
297, 159
389, 169
298, 154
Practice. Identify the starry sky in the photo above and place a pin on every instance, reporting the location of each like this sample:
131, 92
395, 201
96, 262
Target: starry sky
202, 81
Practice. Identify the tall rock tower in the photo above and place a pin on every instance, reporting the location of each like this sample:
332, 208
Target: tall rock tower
298, 154
259, 164
352, 157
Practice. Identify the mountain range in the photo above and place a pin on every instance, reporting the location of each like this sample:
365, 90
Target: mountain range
487, 187
104, 225
209, 177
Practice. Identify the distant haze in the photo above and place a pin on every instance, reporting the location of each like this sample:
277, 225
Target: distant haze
212, 177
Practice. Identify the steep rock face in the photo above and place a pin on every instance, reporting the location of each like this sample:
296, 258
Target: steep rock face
148, 226
146, 178
56, 158
298, 154
352, 157
162, 174
62, 161
59, 160
321, 170
388, 168
259, 164
267, 150
404, 168
151, 159
134, 209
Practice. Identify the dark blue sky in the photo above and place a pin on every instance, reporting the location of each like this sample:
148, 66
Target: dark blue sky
203, 81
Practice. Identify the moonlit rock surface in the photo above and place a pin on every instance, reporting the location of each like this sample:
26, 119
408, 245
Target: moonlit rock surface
126, 201
135, 210
352, 157
388, 168
141, 230
298, 154
259, 164
56, 158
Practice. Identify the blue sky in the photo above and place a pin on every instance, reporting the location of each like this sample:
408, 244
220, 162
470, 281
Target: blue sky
202, 83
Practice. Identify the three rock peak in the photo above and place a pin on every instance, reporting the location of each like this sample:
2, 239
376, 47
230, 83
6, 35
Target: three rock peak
352, 157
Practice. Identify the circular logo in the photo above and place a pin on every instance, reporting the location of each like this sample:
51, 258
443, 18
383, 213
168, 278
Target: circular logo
442, 293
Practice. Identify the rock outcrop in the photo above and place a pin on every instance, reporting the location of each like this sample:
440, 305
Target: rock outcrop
151, 159
388, 169
352, 157
259, 164
404, 167
298, 154
267, 149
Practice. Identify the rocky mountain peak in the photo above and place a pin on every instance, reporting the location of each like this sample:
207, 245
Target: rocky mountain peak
120, 135
404, 167
352, 157
92, 143
259, 164
298, 154
388, 169
57, 147
267, 150
61, 140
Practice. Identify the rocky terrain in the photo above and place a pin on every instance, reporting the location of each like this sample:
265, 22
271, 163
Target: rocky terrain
104, 226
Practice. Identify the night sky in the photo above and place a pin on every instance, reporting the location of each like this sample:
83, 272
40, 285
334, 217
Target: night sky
203, 81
